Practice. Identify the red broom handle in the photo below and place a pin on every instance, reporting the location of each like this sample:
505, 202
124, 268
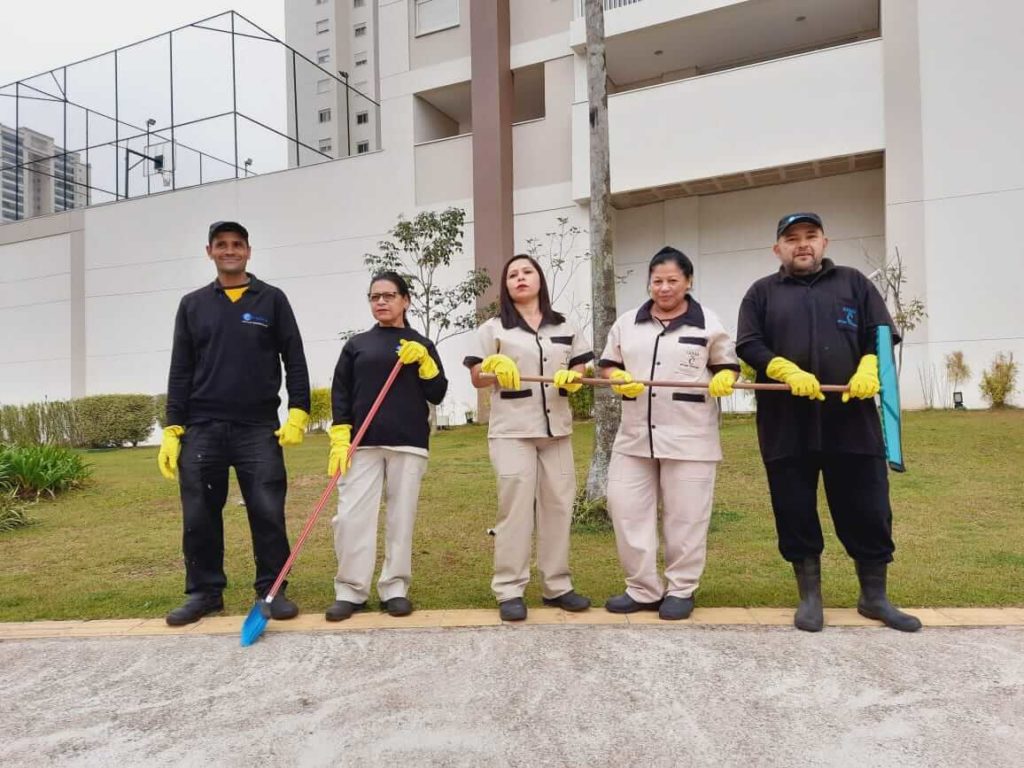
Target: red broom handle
307, 529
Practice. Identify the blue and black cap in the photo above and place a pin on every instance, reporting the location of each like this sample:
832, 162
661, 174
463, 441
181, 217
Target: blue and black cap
795, 218
227, 226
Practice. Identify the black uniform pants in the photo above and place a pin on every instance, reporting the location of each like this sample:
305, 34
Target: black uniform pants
857, 489
207, 451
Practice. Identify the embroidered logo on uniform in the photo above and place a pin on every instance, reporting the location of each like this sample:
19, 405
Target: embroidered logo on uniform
848, 317
249, 318
693, 357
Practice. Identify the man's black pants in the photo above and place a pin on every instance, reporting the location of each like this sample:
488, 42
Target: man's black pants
207, 451
857, 489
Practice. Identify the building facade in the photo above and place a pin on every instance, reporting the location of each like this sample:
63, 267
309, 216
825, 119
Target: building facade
336, 89
891, 119
49, 180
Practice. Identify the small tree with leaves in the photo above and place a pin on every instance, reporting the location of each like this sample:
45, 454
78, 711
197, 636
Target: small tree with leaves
560, 259
421, 250
907, 312
1000, 380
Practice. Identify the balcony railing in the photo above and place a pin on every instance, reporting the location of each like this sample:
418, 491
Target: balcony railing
580, 6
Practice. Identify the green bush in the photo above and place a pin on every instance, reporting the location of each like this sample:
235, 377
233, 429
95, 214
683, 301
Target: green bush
320, 414
106, 421
160, 406
999, 381
581, 402
52, 421
34, 470
13, 512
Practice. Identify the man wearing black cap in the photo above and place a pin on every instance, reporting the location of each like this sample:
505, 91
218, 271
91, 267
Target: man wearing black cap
809, 322
230, 339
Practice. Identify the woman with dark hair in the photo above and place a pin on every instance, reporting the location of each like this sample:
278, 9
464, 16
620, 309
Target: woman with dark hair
667, 448
529, 436
392, 454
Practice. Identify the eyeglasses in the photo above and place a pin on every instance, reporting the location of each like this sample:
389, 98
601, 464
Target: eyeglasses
387, 296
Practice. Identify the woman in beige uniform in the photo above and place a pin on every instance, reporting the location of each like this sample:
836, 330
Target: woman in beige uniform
667, 448
530, 436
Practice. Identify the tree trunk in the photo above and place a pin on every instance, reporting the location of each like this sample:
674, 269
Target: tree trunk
606, 407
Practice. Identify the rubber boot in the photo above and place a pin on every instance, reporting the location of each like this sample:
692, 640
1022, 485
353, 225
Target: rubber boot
809, 616
874, 603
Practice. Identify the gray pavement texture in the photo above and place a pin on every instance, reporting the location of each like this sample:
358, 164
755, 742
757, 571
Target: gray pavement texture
519, 696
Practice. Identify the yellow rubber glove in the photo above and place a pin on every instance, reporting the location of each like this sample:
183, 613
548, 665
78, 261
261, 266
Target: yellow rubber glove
626, 386
568, 380
801, 383
721, 383
864, 383
341, 435
504, 368
413, 352
170, 449
294, 428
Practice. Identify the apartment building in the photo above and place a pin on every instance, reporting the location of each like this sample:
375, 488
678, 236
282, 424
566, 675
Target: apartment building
893, 119
334, 90
48, 181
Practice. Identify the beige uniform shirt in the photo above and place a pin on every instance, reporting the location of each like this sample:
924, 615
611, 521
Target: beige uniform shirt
536, 410
666, 423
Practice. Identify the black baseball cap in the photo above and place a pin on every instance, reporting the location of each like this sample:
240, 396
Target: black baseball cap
228, 226
795, 218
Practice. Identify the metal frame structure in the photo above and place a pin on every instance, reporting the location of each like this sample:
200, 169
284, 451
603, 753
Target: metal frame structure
24, 91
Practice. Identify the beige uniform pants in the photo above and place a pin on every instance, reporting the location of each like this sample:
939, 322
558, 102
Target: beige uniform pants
686, 490
355, 525
536, 481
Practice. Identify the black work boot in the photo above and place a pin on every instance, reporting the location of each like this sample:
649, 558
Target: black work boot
194, 608
873, 602
281, 607
340, 610
809, 615
512, 610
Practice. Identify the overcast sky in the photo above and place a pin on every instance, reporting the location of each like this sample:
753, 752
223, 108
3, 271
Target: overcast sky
38, 36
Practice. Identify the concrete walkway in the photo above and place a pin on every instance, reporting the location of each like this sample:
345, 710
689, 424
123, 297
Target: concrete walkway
590, 690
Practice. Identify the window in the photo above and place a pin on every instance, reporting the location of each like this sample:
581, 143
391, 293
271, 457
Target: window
323, 86
324, 115
358, 3
360, 59
321, 2
323, 56
322, 26
435, 15
360, 30
362, 147
325, 145
362, 118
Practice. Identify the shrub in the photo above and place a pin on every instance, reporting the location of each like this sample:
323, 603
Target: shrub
581, 402
999, 381
320, 409
34, 470
112, 420
52, 421
160, 407
13, 512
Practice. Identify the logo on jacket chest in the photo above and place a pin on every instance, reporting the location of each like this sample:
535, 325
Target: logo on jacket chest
250, 318
847, 317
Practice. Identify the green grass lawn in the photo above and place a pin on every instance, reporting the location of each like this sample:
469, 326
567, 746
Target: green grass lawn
113, 548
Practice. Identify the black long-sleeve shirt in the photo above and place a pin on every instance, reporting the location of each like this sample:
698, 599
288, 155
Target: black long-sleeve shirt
365, 362
227, 356
825, 323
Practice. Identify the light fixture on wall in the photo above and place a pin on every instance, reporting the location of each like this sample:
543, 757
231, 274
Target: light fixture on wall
958, 401
801, 18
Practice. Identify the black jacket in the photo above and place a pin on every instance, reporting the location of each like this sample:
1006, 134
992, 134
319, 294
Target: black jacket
363, 367
825, 324
226, 358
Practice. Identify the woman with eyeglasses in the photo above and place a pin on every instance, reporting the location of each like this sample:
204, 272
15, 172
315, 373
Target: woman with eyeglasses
529, 436
391, 456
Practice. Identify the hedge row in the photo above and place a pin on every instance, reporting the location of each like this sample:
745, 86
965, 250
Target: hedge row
99, 421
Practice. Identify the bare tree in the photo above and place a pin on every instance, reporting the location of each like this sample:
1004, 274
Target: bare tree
606, 408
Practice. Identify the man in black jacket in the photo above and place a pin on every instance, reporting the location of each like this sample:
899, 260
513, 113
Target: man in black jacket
812, 321
230, 339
